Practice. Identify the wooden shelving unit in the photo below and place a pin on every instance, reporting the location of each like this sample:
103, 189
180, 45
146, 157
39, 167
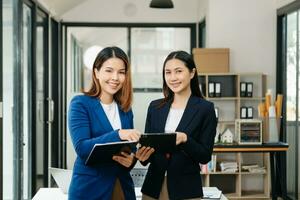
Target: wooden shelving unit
235, 185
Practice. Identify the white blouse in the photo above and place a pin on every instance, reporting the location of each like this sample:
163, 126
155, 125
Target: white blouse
113, 115
173, 120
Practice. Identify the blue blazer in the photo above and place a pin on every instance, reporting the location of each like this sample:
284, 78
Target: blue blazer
89, 125
183, 171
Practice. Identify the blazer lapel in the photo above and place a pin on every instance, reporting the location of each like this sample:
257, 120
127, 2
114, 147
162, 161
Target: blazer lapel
162, 117
122, 118
101, 114
188, 114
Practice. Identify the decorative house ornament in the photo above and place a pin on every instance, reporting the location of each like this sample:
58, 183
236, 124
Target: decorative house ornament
227, 136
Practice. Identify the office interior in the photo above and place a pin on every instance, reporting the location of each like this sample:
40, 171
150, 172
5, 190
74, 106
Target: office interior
47, 47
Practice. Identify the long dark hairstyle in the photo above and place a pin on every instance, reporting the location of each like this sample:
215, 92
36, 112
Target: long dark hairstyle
124, 96
188, 61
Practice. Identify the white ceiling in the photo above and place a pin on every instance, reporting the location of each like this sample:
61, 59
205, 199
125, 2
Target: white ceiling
59, 7
122, 10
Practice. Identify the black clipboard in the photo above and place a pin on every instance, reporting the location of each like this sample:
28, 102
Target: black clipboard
161, 142
103, 153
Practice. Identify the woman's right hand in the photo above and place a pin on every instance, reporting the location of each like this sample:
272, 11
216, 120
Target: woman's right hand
129, 134
144, 153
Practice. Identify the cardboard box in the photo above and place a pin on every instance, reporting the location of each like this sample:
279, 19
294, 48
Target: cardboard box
211, 60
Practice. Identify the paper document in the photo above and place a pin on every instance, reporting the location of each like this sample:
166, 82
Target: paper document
211, 193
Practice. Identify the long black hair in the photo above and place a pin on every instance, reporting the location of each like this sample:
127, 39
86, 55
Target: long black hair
188, 61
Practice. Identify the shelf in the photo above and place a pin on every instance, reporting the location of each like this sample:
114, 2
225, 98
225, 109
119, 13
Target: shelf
227, 122
252, 98
253, 173
251, 74
233, 173
235, 185
254, 195
232, 195
217, 74
224, 173
222, 98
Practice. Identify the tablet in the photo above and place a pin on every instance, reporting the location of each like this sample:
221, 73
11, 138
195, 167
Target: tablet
161, 142
103, 153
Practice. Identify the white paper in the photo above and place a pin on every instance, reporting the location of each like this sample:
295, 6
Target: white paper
211, 193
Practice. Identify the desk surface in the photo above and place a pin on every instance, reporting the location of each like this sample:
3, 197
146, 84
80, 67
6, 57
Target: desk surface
57, 194
265, 147
50, 193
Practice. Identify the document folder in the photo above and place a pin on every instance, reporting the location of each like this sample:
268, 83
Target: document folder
161, 142
103, 153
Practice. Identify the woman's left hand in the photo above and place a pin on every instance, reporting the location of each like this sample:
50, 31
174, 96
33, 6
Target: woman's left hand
180, 138
124, 159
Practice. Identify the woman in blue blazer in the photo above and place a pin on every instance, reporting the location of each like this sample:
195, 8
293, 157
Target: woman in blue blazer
184, 111
102, 115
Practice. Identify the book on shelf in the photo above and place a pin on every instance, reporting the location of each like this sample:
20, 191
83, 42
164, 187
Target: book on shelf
229, 167
204, 168
248, 166
253, 168
210, 166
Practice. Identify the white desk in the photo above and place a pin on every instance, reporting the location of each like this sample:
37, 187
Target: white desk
50, 194
139, 194
57, 194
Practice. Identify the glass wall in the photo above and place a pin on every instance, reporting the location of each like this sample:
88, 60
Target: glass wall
149, 48
40, 102
27, 66
24, 100
83, 45
8, 63
292, 100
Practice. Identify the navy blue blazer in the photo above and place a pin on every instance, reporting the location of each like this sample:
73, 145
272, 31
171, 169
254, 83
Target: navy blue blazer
183, 171
89, 125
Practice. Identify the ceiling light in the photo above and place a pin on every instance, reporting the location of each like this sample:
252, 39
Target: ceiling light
90, 55
161, 4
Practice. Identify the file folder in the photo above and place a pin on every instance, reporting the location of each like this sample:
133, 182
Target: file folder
103, 153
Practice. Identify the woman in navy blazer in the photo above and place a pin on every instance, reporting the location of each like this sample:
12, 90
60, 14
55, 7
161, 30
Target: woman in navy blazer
184, 111
102, 115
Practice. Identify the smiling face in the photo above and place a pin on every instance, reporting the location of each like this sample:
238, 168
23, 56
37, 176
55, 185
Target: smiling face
111, 76
178, 76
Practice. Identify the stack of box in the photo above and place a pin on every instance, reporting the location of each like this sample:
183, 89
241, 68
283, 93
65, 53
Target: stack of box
211, 60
